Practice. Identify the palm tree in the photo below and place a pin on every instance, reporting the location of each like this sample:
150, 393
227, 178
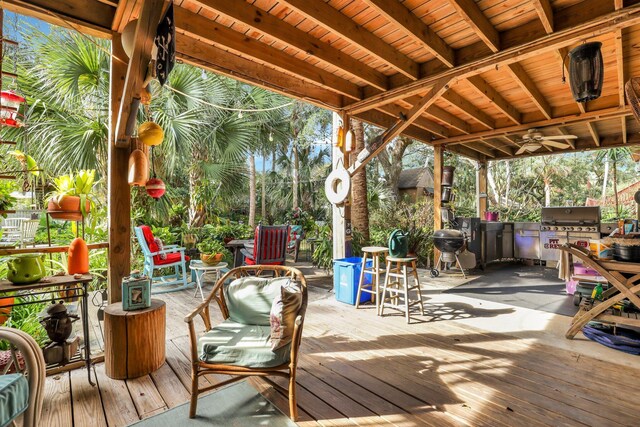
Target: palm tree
359, 205
615, 156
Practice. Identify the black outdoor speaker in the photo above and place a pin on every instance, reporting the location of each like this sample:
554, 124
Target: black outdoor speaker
586, 71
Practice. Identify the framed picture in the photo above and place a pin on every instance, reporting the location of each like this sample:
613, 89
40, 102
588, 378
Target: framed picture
136, 293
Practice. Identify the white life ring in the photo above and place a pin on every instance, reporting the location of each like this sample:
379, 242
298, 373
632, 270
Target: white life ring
337, 186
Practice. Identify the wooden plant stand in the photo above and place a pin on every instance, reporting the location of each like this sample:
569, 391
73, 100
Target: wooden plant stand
621, 287
134, 340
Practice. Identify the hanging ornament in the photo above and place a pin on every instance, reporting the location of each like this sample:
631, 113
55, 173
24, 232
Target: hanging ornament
9, 104
150, 134
340, 137
349, 141
155, 188
138, 168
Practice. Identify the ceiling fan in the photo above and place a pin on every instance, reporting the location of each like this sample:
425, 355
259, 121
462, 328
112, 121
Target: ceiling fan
533, 140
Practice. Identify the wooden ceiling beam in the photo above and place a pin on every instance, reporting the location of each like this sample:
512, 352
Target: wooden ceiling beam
421, 122
122, 15
202, 54
480, 148
476, 19
572, 25
274, 27
336, 22
593, 116
496, 99
594, 133
563, 131
380, 119
545, 13
89, 16
476, 113
414, 113
446, 117
198, 26
525, 82
496, 145
144, 36
396, 13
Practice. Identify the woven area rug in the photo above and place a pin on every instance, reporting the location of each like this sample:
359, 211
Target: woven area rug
238, 405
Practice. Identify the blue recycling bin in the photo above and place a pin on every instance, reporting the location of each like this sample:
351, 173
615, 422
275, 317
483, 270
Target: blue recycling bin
346, 275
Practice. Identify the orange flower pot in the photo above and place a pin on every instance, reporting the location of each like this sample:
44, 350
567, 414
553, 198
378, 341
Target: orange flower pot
68, 209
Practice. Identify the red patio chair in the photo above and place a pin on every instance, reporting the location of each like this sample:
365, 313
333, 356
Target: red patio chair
269, 246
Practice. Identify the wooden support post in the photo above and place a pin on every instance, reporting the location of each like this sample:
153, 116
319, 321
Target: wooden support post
341, 214
481, 189
119, 194
437, 194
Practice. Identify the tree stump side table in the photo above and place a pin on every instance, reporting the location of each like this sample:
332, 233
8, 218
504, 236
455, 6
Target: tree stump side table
134, 340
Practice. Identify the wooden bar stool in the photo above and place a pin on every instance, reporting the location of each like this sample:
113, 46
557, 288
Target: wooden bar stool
373, 252
400, 289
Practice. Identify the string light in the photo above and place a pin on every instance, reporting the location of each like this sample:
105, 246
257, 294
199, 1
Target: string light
240, 114
270, 137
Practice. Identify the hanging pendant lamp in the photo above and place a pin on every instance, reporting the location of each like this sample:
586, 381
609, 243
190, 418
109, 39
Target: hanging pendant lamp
586, 71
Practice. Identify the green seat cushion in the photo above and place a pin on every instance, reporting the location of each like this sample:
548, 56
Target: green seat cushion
237, 344
14, 397
249, 299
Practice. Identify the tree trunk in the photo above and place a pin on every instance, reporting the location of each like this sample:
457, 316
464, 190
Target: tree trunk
391, 161
615, 186
605, 178
547, 192
197, 213
508, 185
296, 177
359, 205
492, 184
252, 190
264, 188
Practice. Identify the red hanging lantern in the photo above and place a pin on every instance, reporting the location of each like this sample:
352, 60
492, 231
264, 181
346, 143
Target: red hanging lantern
155, 188
9, 104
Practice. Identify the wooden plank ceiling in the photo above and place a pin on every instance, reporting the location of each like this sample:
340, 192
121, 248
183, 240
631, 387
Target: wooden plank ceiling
501, 61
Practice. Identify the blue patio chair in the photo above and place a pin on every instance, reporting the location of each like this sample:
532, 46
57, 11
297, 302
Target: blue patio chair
175, 258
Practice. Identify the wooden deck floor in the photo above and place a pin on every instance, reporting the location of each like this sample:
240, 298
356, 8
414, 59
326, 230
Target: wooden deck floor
359, 369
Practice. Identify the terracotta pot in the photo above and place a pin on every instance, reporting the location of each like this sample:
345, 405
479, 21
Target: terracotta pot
210, 259
68, 209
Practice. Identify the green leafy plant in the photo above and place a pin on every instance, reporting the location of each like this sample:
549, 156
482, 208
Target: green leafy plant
212, 247
6, 199
164, 234
25, 318
80, 184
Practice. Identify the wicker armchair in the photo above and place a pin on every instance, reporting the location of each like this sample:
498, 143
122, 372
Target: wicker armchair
22, 392
284, 364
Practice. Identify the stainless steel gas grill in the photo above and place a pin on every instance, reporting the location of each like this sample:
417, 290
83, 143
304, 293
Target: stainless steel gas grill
559, 225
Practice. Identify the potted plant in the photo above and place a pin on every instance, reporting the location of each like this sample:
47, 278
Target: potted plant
72, 198
211, 251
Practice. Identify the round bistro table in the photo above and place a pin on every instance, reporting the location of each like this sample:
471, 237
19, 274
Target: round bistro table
200, 269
